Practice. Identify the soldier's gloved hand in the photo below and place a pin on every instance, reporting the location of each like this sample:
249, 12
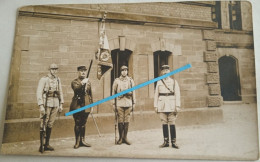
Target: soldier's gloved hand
42, 110
178, 109
91, 110
84, 81
60, 108
156, 109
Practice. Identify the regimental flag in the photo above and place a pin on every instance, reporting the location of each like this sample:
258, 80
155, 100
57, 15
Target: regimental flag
103, 55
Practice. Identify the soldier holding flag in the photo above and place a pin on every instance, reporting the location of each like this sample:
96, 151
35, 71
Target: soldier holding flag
82, 96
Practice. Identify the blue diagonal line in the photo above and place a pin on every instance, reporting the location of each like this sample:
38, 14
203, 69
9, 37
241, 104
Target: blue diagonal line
130, 89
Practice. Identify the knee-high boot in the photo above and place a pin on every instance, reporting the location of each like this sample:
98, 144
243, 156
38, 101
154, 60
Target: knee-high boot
120, 132
126, 125
173, 136
47, 147
165, 136
41, 149
82, 137
77, 133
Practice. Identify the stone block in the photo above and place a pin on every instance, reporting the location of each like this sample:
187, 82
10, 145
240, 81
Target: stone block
214, 89
208, 35
27, 32
111, 44
155, 46
212, 78
177, 50
130, 44
116, 43
211, 45
44, 47
210, 56
215, 101
212, 67
22, 43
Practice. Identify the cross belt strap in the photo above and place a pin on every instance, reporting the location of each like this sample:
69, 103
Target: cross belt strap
168, 87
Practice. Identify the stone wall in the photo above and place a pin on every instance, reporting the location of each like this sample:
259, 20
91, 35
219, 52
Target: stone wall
40, 41
177, 10
71, 43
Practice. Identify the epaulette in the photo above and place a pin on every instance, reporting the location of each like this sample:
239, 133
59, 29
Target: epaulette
44, 77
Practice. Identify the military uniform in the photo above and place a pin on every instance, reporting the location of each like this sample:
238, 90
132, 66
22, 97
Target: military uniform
123, 105
82, 96
167, 104
49, 87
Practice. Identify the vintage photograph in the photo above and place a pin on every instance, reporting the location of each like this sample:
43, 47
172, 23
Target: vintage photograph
67, 56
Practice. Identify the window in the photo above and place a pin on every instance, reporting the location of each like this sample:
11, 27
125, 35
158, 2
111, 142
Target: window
235, 15
216, 14
119, 58
160, 58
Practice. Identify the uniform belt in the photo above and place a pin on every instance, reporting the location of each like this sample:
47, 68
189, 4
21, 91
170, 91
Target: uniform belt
78, 97
52, 95
166, 94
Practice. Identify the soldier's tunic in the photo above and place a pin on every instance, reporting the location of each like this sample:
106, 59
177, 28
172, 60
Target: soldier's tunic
167, 100
50, 87
124, 102
82, 96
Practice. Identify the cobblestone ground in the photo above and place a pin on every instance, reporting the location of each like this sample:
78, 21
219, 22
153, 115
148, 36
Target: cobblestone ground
235, 138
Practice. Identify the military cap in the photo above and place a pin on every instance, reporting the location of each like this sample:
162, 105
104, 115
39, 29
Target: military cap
53, 66
165, 67
83, 67
123, 67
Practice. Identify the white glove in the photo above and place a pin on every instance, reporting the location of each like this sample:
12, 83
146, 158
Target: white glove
60, 108
178, 109
156, 109
42, 110
84, 81
91, 110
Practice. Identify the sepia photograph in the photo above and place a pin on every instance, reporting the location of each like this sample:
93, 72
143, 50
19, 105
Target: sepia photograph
82, 81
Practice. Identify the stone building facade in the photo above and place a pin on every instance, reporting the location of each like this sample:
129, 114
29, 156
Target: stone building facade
216, 38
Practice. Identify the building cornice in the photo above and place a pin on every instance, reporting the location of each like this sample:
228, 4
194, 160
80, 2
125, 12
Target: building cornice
201, 3
56, 12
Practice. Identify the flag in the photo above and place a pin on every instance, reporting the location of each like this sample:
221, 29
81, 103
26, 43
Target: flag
103, 55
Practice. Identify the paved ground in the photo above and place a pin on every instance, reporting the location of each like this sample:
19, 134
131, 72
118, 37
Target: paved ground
234, 139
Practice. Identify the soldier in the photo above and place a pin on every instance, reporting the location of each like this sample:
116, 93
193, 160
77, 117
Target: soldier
124, 104
82, 96
167, 105
50, 100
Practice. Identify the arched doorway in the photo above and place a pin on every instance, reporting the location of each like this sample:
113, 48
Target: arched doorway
119, 58
229, 78
160, 58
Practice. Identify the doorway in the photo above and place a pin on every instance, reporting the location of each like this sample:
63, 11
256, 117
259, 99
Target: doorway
119, 58
229, 79
160, 58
